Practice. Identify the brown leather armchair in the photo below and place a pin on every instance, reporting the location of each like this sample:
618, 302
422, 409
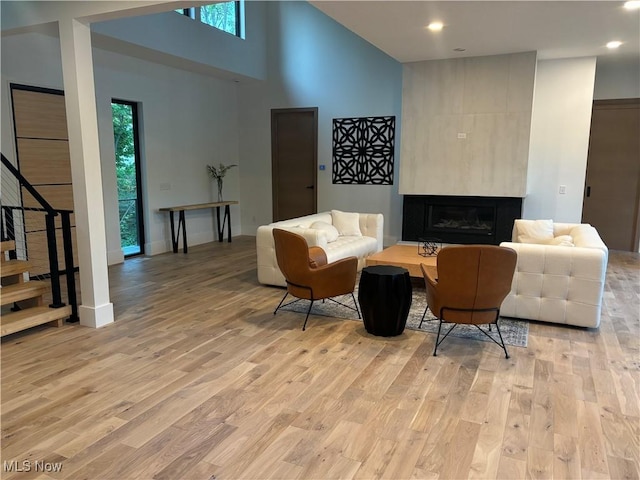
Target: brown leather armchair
308, 275
468, 286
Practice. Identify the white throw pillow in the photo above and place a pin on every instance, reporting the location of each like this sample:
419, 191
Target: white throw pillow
348, 224
534, 231
563, 241
331, 231
314, 238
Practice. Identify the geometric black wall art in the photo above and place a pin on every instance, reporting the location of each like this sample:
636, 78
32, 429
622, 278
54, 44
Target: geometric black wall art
363, 150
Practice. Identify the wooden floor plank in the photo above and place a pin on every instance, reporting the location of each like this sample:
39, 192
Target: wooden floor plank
198, 379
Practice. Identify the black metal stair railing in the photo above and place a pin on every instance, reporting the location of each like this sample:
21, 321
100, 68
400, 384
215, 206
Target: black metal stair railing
8, 228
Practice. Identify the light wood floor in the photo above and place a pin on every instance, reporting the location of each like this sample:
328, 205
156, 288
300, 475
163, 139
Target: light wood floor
197, 379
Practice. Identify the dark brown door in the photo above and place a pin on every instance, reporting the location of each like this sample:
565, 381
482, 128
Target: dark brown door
294, 158
612, 193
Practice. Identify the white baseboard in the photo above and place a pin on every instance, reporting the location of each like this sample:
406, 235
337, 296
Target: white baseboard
96, 317
114, 257
193, 239
156, 248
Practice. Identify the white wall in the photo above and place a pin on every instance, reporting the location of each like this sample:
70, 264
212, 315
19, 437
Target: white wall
560, 127
46, 67
617, 78
181, 38
307, 59
26, 13
188, 121
314, 61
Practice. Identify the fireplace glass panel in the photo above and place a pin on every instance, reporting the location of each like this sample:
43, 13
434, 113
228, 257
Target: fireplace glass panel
486, 220
459, 218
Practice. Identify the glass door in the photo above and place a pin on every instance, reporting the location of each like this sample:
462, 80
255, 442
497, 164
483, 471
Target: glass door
125, 137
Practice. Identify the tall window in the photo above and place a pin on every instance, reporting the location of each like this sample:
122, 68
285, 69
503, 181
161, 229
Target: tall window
225, 16
125, 136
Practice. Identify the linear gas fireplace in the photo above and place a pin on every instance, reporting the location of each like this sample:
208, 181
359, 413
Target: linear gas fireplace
458, 219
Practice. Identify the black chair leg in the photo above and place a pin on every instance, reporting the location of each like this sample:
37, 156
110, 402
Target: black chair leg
356, 304
281, 301
435, 349
307, 317
504, 347
423, 315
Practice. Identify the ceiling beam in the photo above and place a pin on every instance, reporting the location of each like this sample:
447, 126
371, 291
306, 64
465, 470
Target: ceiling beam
21, 15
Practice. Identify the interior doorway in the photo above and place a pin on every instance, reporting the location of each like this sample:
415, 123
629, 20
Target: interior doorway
128, 174
612, 188
294, 162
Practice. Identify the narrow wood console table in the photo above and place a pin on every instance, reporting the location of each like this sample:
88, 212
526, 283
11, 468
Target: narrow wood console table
175, 235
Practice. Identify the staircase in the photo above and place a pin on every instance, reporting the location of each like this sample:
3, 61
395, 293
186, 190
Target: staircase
27, 295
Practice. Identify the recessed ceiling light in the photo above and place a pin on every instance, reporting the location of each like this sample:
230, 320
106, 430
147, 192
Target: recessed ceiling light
614, 44
435, 26
632, 5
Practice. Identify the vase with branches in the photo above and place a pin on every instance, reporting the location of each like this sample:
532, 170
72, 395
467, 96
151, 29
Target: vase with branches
218, 174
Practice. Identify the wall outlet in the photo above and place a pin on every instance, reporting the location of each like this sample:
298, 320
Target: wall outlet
462, 135
563, 189
165, 186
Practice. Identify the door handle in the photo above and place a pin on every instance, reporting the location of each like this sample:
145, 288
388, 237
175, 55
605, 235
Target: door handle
311, 187
588, 191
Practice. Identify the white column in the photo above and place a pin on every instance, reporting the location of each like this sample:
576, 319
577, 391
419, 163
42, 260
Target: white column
82, 123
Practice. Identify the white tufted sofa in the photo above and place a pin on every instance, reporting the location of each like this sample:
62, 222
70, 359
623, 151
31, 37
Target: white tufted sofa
371, 227
559, 284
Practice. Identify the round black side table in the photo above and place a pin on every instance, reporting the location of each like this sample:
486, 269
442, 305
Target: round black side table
384, 295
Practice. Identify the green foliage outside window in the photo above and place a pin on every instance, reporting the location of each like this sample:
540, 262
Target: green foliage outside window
221, 15
125, 172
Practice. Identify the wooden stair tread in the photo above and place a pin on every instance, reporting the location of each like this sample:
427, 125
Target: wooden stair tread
22, 291
7, 245
30, 317
14, 267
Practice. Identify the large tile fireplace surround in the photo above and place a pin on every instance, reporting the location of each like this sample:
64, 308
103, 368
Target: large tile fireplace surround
459, 219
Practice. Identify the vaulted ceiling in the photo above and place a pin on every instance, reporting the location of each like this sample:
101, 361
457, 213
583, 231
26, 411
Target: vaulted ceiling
554, 29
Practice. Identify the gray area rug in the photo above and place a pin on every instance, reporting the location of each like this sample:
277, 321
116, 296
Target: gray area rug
514, 332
